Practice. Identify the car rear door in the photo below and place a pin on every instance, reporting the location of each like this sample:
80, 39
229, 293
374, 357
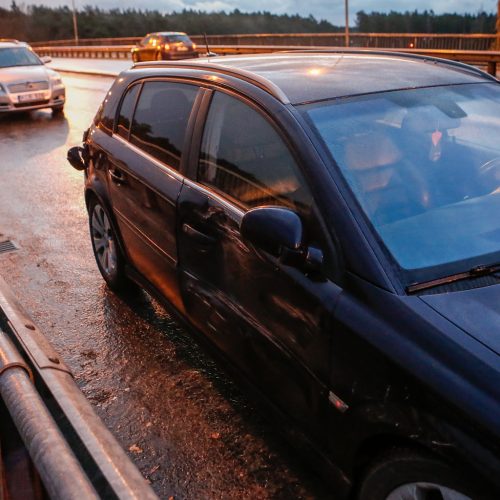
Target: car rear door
143, 176
273, 321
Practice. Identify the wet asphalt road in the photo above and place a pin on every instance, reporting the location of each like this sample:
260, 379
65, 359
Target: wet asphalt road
186, 426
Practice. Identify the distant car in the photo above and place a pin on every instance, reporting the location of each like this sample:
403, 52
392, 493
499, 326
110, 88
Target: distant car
166, 45
25, 82
330, 222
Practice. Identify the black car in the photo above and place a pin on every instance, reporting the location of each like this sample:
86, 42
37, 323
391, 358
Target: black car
330, 222
164, 45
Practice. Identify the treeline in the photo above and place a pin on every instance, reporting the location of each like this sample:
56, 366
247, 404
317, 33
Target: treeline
425, 22
40, 23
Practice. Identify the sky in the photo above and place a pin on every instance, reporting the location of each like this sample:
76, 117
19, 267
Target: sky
331, 10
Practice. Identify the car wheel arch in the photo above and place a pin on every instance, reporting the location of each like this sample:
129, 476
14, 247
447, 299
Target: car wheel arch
95, 194
375, 447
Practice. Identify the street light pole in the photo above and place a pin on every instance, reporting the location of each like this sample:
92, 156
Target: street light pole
347, 22
498, 26
75, 24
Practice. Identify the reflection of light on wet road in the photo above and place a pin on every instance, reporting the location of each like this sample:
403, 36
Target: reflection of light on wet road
150, 383
83, 96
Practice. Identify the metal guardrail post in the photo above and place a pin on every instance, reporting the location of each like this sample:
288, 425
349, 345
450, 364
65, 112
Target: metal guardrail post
59, 469
119, 478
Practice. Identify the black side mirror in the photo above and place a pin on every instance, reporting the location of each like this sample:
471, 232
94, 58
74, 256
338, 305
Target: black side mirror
273, 229
76, 158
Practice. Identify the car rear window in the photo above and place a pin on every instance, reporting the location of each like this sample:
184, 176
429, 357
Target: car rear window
178, 38
161, 119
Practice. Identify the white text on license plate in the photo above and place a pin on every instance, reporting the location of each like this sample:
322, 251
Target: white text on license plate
37, 96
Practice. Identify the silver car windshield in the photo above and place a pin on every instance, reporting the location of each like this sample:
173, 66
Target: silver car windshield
18, 56
424, 164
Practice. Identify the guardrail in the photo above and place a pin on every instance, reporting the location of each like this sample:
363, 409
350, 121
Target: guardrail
486, 59
72, 451
368, 40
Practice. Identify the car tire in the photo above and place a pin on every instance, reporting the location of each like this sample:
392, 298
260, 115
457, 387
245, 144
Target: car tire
58, 110
405, 474
105, 246
135, 58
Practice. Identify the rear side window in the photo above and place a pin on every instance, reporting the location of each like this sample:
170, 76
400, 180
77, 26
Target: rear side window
244, 157
161, 119
126, 111
178, 38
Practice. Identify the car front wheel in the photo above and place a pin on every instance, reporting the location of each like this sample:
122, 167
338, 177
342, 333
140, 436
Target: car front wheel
105, 246
408, 475
58, 110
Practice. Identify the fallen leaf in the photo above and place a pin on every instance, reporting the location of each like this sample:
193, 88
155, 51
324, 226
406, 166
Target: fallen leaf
153, 470
135, 449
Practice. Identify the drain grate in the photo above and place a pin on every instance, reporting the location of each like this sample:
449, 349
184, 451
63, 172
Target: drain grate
7, 246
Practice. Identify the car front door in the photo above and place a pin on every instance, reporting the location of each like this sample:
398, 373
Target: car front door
272, 320
144, 158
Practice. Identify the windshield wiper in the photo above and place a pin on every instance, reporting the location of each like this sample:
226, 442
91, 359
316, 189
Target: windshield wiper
475, 272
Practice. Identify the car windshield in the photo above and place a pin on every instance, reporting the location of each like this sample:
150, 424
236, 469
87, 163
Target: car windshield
178, 38
424, 164
18, 56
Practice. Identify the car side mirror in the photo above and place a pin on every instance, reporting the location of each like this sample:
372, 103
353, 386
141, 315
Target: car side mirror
46, 59
279, 232
75, 157
272, 229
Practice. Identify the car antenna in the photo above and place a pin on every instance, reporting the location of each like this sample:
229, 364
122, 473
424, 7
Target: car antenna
208, 54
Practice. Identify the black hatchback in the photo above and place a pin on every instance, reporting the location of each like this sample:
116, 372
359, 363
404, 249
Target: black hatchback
330, 222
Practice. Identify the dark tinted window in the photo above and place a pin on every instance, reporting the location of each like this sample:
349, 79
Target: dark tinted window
126, 111
105, 117
178, 38
243, 156
161, 118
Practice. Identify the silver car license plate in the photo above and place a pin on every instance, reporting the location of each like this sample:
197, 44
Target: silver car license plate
36, 96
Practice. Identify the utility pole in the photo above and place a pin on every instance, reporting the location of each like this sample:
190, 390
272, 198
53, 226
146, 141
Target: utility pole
75, 24
347, 22
498, 26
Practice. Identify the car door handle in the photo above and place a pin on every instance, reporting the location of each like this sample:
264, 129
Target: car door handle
197, 236
116, 176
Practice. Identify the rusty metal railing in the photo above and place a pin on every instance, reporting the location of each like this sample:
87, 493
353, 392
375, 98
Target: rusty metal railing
488, 60
360, 40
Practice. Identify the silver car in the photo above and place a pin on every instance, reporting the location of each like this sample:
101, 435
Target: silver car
25, 82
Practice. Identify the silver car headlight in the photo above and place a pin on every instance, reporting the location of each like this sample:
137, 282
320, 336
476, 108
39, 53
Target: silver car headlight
56, 81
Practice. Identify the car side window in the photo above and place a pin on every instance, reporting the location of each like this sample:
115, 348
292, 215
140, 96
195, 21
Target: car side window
126, 111
161, 118
243, 156
145, 41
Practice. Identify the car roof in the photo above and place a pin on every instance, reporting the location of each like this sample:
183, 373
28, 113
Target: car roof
11, 42
166, 33
309, 76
